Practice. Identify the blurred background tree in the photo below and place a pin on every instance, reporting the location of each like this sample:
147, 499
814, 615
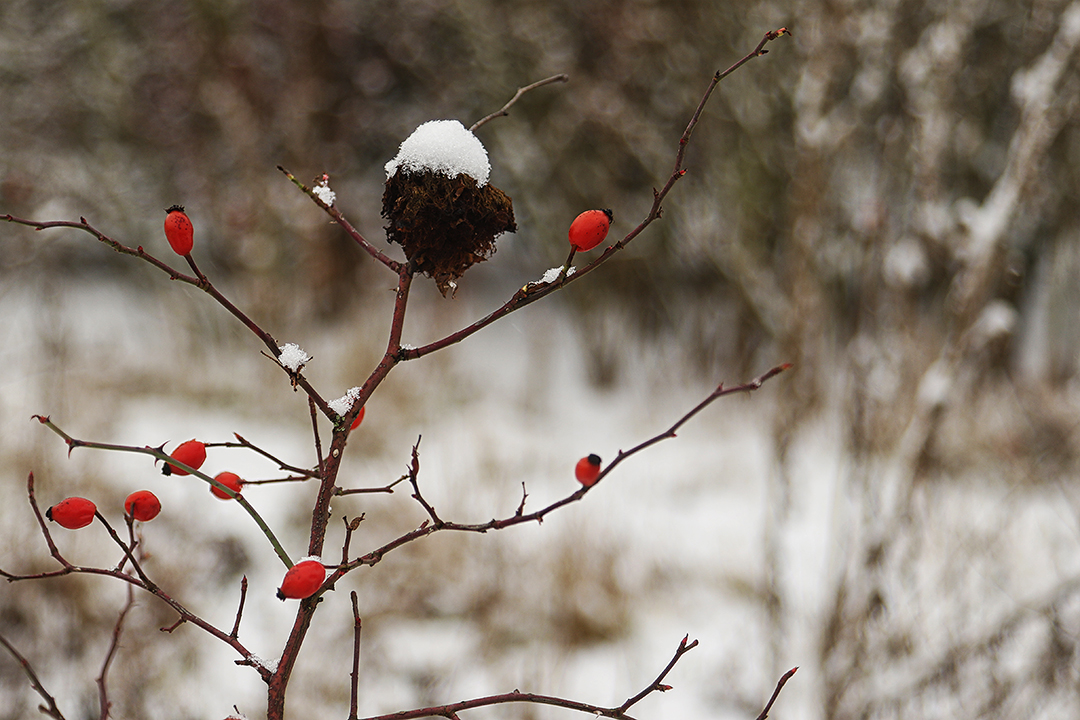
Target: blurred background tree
889, 202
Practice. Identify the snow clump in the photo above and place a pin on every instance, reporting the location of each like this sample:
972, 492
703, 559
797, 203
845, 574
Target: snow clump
344, 403
444, 147
293, 357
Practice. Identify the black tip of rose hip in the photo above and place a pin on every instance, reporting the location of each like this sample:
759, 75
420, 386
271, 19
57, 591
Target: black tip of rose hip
174, 208
48, 513
280, 596
610, 216
166, 469
594, 459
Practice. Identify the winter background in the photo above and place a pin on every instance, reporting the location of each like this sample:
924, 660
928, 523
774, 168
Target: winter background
887, 200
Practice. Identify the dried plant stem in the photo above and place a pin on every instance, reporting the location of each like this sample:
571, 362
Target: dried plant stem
505, 109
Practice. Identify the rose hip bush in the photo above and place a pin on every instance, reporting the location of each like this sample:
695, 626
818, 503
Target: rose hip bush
446, 216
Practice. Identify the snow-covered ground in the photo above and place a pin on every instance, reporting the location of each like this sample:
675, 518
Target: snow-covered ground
589, 605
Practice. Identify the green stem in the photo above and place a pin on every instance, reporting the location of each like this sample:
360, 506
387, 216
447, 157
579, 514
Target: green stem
73, 443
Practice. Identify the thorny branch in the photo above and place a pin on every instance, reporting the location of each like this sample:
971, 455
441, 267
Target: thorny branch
51, 709
200, 281
141, 582
435, 523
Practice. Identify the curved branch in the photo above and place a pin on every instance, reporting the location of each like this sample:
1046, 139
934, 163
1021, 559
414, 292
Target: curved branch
505, 109
51, 709
150, 587
200, 282
352, 232
434, 523
450, 711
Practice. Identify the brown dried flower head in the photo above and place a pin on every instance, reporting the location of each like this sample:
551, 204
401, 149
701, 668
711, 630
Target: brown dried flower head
439, 205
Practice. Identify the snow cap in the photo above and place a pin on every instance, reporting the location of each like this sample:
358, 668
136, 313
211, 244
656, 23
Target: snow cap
444, 147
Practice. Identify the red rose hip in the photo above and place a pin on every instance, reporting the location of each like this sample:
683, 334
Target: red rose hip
359, 419
192, 453
72, 513
587, 470
589, 229
230, 480
142, 505
178, 230
302, 580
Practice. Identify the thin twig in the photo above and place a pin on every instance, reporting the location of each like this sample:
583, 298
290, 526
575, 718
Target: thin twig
185, 615
318, 439
389, 489
450, 711
102, 679
350, 528
240, 608
200, 282
35, 682
776, 693
685, 646
354, 676
245, 443
334, 213
435, 523
414, 473
504, 110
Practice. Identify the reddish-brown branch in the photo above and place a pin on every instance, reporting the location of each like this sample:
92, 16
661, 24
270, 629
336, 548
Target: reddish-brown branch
245, 443
141, 582
776, 693
50, 709
350, 528
318, 438
200, 281
352, 232
450, 710
354, 676
685, 646
240, 608
389, 489
435, 523
103, 677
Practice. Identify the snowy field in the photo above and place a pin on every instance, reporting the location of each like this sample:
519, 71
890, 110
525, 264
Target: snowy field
682, 540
